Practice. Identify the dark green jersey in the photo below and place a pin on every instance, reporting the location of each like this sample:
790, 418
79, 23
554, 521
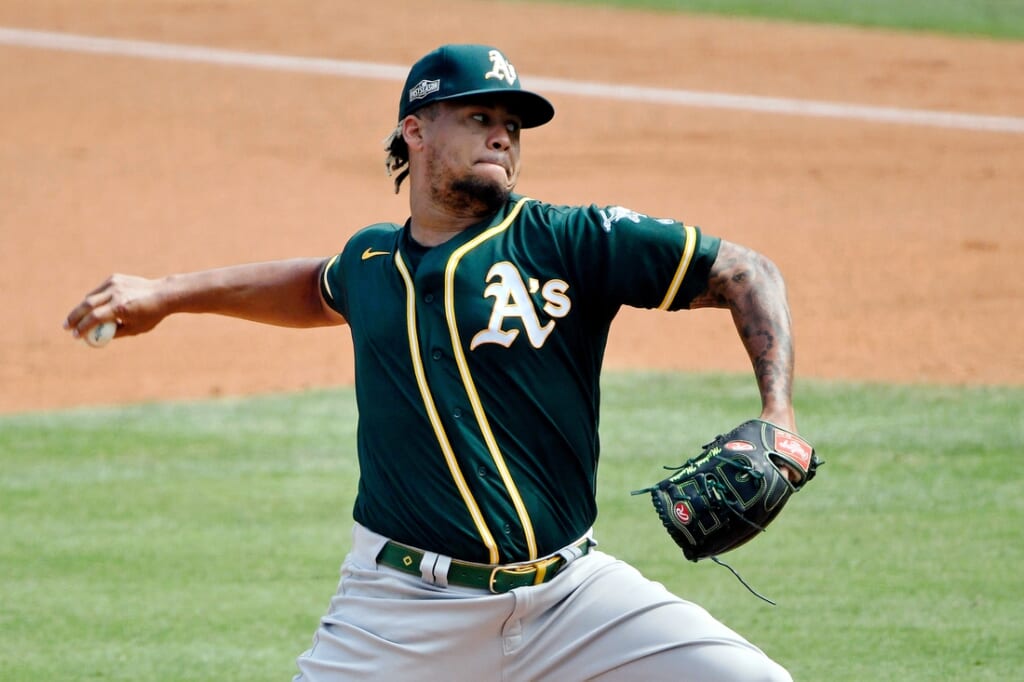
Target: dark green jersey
478, 365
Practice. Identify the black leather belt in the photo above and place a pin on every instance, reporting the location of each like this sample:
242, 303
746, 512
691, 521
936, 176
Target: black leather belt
495, 578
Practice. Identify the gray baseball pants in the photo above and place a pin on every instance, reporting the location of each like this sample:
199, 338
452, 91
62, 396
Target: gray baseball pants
598, 619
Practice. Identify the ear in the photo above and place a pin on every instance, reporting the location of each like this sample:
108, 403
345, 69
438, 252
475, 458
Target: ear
412, 131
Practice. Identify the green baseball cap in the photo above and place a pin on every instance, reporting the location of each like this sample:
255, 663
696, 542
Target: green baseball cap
457, 71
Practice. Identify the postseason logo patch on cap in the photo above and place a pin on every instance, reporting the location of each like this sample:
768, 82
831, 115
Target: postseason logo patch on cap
423, 88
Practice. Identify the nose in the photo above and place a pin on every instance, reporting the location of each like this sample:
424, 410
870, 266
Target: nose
500, 138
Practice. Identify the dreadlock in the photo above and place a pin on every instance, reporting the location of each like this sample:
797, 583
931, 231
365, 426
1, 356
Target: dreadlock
397, 160
398, 156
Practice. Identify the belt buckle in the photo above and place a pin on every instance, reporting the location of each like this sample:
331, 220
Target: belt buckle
539, 567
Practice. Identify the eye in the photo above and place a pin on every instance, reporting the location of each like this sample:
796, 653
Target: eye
513, 126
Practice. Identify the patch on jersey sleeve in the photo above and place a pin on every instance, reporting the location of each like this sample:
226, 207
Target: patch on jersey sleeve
613, 214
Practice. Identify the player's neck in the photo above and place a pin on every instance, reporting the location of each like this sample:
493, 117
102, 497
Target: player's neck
432, 225
434, 235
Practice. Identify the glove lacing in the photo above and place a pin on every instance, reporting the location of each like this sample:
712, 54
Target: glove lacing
717, 490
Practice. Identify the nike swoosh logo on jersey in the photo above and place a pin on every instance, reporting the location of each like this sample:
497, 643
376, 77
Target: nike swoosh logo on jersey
370, 253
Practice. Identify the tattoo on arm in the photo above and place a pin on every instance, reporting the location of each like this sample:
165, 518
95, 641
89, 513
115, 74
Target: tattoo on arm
751, 287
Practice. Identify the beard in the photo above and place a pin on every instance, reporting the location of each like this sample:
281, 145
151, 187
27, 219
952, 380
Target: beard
467, 195
476, 196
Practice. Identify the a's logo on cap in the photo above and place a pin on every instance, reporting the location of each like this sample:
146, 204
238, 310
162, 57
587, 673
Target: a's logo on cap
501, 68
423, 88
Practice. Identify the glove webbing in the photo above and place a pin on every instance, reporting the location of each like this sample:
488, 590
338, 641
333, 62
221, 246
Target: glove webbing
716, 489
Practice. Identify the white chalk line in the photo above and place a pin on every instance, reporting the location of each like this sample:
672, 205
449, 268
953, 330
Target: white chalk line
356, 69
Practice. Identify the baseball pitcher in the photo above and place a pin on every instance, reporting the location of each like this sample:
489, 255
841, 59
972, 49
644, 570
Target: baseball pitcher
479, 329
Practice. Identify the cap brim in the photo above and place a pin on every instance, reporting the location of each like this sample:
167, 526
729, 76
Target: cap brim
533, 109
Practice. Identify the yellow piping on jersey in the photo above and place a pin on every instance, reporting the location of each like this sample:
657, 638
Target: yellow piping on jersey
684, 265
467, 378
327, 285
435, 419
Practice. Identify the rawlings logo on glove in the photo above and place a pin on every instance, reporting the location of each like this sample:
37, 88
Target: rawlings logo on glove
733, 489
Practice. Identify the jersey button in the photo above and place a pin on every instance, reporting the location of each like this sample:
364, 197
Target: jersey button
482, 472
508, 529
457, 413
429, 298
436, 355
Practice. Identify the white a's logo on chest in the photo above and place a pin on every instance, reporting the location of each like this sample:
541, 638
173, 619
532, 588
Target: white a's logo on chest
512, 299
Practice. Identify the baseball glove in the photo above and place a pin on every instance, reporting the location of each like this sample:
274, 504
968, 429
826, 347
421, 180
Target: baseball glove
733, 489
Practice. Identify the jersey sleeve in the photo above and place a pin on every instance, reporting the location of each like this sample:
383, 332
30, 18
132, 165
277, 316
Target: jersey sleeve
332, 286
641, 261
372, 245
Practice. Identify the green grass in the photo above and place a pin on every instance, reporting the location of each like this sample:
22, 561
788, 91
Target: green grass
201, 541
992, 18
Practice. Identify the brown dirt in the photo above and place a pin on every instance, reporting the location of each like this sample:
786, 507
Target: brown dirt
900, 244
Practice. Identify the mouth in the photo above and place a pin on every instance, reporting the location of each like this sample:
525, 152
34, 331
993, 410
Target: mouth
495, 162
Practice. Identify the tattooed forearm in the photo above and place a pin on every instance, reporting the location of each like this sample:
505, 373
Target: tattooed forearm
751, 287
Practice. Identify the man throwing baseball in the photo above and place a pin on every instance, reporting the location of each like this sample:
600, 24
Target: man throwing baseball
479, 328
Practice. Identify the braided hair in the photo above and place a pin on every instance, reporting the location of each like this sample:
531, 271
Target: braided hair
397, 160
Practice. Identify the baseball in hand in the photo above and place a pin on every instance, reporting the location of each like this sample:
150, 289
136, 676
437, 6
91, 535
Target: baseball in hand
100, 335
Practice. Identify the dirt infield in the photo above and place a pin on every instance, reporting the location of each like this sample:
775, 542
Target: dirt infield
900, 243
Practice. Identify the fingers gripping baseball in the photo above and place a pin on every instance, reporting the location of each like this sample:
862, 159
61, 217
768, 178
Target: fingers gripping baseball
130, 302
